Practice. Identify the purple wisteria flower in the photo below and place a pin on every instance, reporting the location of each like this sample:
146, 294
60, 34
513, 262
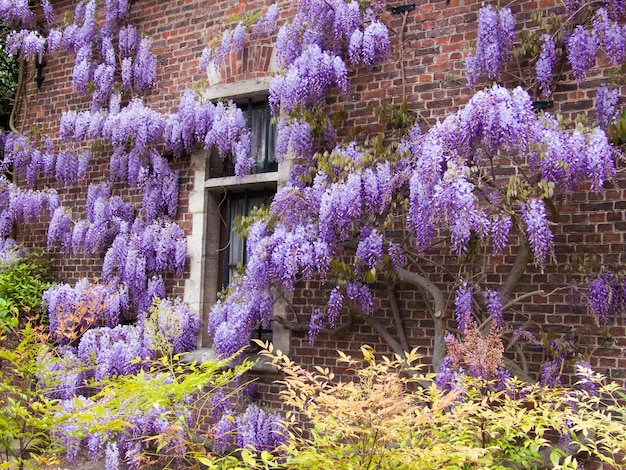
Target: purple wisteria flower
232, 320
17, 11
455, 205
308, 80
396, 253
10, 252
315, 324
107, 352
340, 204
54, 40
550, 373
227, 133
493, 302
588, 157
112, 457
63, 377
225, 433
259, 431
537, 229
294, 138
326, 24
503, 376
606, 105
601, 298
378, 186
586, 379
500, 228
582, 48
60, 229
48, 12
267, 23
82, 306
493, 46
441, 195
81, 75
370, 46
335, 304
239, 38
128, 41
616, 8
30, 43
370, 248
448, 379
610, 37
463, 307
545, 64
205, 59
120, 447
144, 67
362, 294
174, 322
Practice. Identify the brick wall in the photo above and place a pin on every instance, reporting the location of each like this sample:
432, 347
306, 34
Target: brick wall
425, 68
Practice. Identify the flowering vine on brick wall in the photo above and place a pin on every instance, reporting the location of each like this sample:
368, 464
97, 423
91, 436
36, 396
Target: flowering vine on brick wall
354, 213
139, 242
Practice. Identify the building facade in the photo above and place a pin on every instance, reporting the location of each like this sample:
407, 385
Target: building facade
425, 69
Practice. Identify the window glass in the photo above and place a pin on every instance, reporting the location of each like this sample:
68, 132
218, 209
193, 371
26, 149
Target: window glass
263, 138
232, 245
263, 142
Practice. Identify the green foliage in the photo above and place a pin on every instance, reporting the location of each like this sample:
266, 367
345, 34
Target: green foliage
396, 117
26, 415
8, 316
177, 392
617, 131
23, 283
392, 417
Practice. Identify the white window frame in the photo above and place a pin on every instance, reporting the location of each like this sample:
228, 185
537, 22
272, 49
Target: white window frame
201, 288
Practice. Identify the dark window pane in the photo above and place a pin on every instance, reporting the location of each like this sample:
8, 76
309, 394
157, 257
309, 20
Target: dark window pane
263, 143
232, 245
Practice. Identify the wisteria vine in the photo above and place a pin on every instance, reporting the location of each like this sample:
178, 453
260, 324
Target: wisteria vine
331, 223
334, 224
139, 242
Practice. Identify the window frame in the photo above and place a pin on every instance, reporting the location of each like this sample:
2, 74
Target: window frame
202, 288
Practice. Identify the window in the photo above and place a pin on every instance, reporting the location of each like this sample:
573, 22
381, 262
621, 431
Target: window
211, 258
263, 141
232, 252
230, 198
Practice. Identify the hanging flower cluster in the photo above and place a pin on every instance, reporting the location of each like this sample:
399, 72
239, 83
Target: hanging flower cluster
18, 205
493, 46
545, 64
440, 173
73, 310
606, 297
315, 46
100, 346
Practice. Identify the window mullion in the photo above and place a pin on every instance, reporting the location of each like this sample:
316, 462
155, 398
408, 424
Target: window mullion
228, 248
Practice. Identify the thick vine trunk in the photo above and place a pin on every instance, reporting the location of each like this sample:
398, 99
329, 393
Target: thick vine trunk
438, 311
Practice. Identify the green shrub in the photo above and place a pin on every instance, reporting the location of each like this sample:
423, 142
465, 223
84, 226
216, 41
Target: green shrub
26, 415
385, 418
9, 316
22, 283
